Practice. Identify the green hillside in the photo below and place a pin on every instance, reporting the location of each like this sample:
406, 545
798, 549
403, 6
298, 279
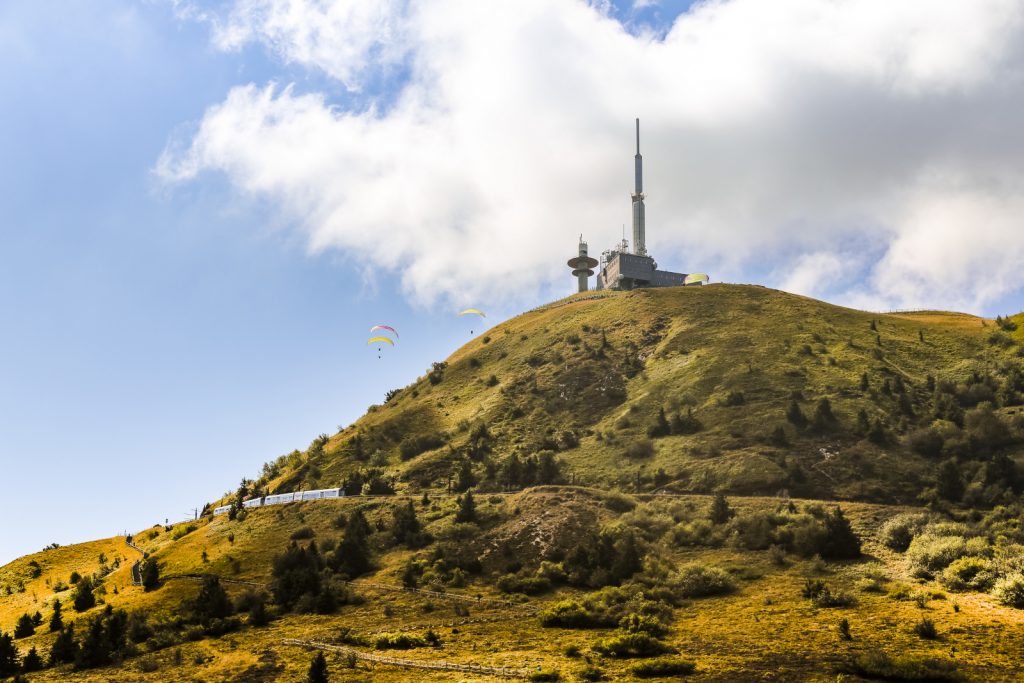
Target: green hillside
584, 379
723, 483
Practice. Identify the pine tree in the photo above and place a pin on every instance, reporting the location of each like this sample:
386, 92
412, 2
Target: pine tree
65, 649
37, 618
864, 382
467, 508
24, 628
948, 482
795, 415
824, 418
465, 479
404, 526
56, 619
8, 656
32, 661
660, 427
840, 542
863, 423
354, 549
317, 669
151, 574
721, 512
84, 598
212, 602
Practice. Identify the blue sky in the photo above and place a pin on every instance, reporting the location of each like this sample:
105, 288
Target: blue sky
186, 276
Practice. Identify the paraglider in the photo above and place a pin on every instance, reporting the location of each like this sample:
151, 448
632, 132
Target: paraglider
696, 279
385, 327
380, 340
471, 311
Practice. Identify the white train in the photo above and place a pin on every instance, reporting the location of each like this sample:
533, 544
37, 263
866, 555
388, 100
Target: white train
279, 498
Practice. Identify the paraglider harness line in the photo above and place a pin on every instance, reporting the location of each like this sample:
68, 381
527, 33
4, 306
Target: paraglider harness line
504, 672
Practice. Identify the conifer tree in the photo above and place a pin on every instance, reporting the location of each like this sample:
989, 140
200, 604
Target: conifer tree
317, 669
8, 656
84, 598
212, 602
721, 512
795, 415
864, 382
65, 649
354, 549
24, 628
150, 574
56, 619
948, 482
405, 527
467, 508
32, 661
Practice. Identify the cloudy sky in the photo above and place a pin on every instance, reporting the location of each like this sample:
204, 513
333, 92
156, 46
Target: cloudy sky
206, 204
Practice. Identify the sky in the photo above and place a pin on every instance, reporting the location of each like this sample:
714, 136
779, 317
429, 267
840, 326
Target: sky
206, 205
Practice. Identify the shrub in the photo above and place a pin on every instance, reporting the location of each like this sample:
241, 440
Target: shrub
897, 532
303, 533
926, 441
734, 398
591, 672
643, 623
929, 553
528, 585
545, 675
818, 592
413, 445
398, 641
660, 668
571, 614
639, 450
926, 629
696, 581
968, 573
84, 598
878, 665
1009, 590
628, 645
844, 630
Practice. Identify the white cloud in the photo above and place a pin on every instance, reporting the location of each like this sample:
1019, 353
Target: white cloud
768, 128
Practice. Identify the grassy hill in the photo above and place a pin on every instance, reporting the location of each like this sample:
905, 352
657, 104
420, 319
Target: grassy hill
584, 379
591, 433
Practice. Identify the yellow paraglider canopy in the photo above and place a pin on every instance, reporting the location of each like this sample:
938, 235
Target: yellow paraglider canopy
694, 278
380, 339
473, 310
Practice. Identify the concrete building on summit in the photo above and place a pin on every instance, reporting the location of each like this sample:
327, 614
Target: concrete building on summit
620, 268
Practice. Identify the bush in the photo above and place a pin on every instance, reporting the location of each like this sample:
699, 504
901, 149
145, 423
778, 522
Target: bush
1009, 590
926, 629
968, 573
929, 553
926, 441
878, 665
734, 398
545, 675
528, 585
897, 532
628, 645
639, 450
571, 614
696, 581
413, 445
398, 641
84, 598
660, 668
303, 533
818, 592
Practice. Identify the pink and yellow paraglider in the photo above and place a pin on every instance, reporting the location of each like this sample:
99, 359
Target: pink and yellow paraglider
379, 340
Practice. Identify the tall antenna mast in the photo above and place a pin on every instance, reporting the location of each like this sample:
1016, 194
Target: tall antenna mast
639, 238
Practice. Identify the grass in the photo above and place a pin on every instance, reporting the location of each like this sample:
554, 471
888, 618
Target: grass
586, 379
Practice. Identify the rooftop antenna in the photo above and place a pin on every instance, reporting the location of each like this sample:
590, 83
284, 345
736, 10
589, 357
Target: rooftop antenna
639, 238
